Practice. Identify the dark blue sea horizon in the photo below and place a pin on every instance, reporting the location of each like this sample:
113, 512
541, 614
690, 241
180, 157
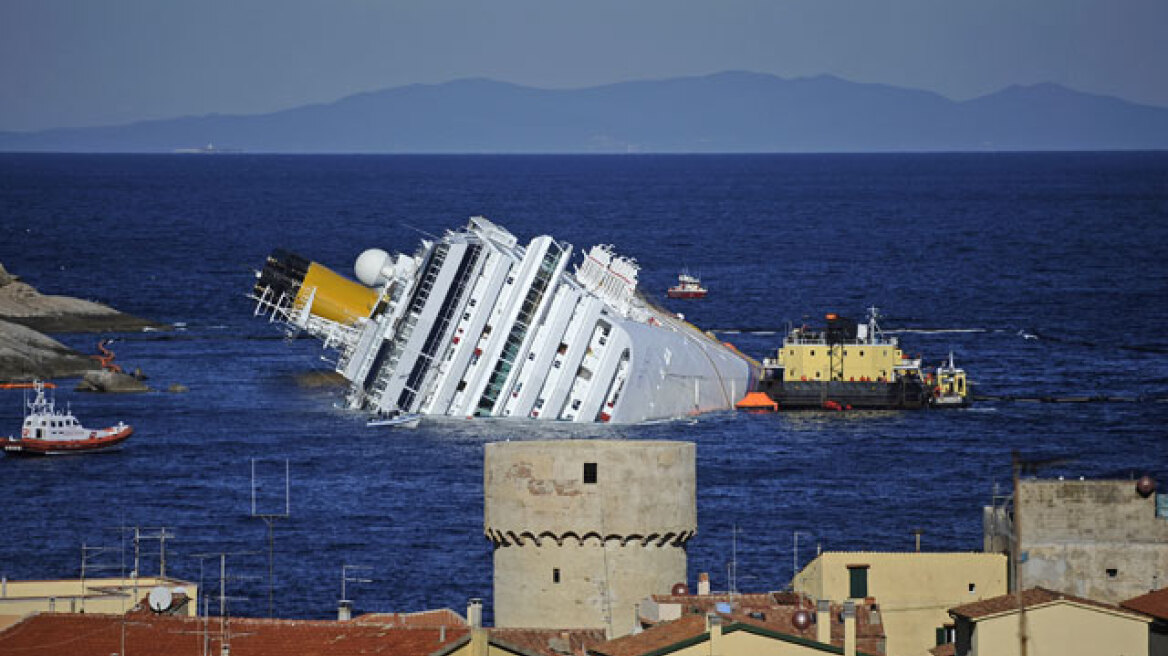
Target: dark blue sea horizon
1045, 273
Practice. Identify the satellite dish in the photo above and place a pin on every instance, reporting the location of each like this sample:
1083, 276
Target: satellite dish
160, 599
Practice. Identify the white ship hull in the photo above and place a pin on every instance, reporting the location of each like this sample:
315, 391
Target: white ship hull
474, 325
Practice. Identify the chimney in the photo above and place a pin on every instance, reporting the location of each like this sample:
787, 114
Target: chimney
344, 610
917, 532
704, 583
479, 643
714, 624
442, 634
474, 613
823, 621
849, 628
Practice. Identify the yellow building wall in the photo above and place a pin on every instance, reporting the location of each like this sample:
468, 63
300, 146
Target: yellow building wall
1063, 629
104, 595
913, 590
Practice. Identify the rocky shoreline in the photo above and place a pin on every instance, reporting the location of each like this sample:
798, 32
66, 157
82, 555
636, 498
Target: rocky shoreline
26, 353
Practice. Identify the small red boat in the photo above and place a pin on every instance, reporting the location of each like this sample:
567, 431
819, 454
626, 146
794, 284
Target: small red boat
688, 286
48, 431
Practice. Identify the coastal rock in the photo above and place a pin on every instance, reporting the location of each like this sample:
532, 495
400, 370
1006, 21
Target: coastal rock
319, 379
26, 354
111, 383
21, 303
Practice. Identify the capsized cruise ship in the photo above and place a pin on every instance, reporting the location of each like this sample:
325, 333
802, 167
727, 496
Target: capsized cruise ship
476, 325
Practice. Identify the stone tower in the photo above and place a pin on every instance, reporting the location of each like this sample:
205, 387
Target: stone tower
584, 529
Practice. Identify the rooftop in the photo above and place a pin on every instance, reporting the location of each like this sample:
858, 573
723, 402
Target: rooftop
1030, 598
58, 633
1154, 603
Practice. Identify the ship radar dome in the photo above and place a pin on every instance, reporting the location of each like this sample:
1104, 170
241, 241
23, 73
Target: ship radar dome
369, 266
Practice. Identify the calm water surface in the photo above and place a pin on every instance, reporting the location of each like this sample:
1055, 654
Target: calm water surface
1045, 273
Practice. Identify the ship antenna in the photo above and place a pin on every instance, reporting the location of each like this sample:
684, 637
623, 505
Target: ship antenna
421, 232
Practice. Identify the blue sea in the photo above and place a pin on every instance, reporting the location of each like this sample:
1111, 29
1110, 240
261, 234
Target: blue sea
1046, 275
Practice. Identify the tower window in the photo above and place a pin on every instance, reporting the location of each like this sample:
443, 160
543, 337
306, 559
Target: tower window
972, 587
1112, 572
590, 472
555, 575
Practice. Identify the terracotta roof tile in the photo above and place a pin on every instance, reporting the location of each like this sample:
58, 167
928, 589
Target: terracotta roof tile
61, 633
1030, 597
549, 642
654, 638
776, 618
1154, 603
947, 649
420, 619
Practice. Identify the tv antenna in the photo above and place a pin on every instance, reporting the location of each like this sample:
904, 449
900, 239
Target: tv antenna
345, 604
270, 519
795, 554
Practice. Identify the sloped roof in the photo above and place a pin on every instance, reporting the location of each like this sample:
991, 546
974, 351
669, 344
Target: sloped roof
1154, 603
421, 619
67, 633
691, 629
548, 642
1031, 597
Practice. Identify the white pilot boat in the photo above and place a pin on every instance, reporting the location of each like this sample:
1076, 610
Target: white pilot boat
48, 431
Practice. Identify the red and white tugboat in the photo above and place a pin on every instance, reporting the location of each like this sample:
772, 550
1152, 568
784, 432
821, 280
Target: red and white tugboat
688, 286
48, 431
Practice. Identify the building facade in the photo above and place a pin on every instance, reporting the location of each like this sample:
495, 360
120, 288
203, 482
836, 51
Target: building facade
584, 529
912, 591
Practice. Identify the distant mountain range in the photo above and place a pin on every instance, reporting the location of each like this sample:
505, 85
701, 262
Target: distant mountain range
730, 112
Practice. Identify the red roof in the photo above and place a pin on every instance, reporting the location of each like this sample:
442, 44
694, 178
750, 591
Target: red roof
66, 633
776, 619
1154, 603
1031, 597
420, 619
549, 642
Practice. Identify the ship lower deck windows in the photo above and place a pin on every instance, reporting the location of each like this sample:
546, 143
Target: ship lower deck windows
590, 473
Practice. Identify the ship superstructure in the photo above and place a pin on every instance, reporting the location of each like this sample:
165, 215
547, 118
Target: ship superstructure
473, 324
847, 364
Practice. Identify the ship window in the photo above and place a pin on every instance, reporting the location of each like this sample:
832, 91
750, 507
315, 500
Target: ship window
539, 403
576, 404
487, 329
510, 279
603, 341
466, 316
563, 348
472, 302
531, 356
590, 473
556, 364
555, 575
461, 385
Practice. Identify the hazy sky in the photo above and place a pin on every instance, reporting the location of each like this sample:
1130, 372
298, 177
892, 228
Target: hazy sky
92, 62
